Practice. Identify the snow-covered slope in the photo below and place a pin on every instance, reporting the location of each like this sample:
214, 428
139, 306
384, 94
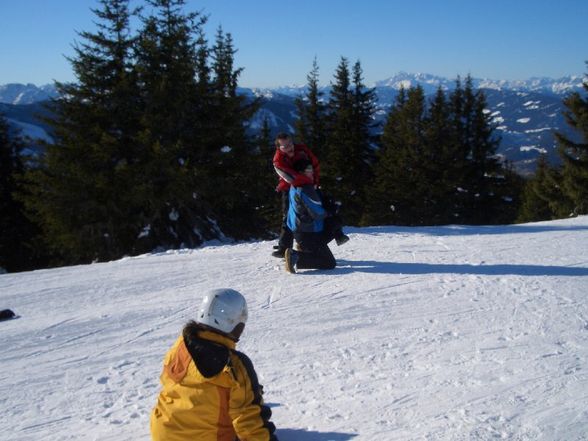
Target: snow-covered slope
448, 333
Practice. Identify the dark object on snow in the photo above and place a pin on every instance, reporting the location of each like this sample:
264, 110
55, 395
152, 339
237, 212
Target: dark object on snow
7, 314
279, 251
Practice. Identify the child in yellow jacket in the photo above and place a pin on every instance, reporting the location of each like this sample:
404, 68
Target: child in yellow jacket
210, 391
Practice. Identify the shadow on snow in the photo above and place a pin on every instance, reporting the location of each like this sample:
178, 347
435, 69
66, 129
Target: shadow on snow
371, 266
311, 435
459, 230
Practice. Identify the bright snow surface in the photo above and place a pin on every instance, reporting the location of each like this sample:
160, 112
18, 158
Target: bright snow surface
445, 333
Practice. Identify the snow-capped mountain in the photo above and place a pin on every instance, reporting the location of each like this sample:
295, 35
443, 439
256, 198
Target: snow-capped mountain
430, 83
526, 113
20, 94
560, 86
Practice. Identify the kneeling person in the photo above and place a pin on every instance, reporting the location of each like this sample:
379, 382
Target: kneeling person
312, 224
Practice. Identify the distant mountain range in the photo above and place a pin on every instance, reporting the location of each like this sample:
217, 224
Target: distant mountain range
21, 94
430, 84
525, 113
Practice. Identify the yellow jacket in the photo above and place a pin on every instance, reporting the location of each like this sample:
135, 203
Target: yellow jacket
209, 392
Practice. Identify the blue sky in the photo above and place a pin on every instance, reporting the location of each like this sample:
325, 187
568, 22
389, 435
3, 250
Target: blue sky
277, 41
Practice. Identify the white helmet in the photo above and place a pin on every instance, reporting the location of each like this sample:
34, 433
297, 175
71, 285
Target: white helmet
223, 309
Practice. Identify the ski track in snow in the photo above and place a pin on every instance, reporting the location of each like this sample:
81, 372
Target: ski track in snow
440, 333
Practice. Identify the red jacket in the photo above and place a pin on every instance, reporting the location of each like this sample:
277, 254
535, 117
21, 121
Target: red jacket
283, 164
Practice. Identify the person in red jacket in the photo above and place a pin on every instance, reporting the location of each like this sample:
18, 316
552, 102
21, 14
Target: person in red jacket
287, 153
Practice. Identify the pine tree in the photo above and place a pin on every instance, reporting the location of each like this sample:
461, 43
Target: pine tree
263, 185
437, 163
444, 162
311, 122
81, 190
459, 152
364, 109
349, 142
17, 233
487, 173
538, 194
401, 191
574, 155
507, 191
339, 144
177, 126
10, 166
234, 170
380, 207
483, 177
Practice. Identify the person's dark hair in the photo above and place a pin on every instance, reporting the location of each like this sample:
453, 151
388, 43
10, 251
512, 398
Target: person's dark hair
191, 330
281, 137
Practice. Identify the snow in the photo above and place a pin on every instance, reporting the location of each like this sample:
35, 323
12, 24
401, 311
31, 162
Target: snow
173, 215
31, 131
145, 232
260, 116
438, 333
543, 129
532, 105
530, 148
